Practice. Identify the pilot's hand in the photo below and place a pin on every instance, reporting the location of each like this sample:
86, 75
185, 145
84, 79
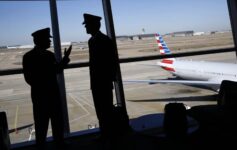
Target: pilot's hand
65, 60
67, 52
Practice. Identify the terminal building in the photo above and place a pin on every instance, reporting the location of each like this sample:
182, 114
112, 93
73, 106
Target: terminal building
180, 34
135, 37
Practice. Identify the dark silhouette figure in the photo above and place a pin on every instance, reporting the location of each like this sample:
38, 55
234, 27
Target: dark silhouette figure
102, 72
227, 95
226, 112
40, 70
175, 125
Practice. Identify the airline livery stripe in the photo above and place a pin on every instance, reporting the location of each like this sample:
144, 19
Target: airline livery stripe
167, 61
168, 69
161, 44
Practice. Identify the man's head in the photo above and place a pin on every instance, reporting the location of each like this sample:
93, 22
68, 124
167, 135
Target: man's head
175, 120
92, 23
42, 38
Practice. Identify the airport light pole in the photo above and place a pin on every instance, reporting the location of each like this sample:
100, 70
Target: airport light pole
58, 55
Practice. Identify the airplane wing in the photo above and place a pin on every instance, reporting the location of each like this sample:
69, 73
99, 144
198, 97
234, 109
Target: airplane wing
186, 82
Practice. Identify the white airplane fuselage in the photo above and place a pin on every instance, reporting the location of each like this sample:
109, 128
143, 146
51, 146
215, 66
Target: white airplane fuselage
201, 70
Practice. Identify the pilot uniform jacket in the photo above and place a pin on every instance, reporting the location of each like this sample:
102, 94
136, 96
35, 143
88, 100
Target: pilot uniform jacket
102, 61
102, 74
40, 71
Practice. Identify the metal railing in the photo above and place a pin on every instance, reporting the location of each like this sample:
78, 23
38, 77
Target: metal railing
132, 59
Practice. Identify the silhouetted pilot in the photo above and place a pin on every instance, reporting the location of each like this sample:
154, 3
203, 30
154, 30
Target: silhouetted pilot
40, 70
102, 71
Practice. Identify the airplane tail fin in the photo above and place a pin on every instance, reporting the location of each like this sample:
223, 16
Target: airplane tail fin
162, 45
166, 63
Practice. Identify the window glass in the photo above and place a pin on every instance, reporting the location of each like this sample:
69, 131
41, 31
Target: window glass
16, 102
185, 26
80, 104
182, 26
143, 98
19, 20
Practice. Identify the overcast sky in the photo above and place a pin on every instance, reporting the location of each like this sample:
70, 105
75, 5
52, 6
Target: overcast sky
20, 19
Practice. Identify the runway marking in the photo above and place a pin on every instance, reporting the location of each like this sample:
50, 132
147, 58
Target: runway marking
84, 101
87, 112
16, 119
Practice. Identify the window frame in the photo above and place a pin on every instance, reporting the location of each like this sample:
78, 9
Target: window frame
232, 7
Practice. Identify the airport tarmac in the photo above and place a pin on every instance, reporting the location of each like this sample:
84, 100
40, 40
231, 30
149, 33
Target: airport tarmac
141, 98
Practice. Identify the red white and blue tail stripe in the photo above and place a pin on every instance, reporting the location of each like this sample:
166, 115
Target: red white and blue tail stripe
162, 45
167, 63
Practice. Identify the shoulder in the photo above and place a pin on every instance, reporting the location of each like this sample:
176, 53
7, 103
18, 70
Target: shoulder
102, 38
49, 55
90, 40
49, 52
28, 54
102, 35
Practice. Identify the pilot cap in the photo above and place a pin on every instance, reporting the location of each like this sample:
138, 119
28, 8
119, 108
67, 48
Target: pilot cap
42, 33
88, 18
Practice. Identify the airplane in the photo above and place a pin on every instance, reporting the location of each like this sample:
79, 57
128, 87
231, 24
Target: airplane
204, 74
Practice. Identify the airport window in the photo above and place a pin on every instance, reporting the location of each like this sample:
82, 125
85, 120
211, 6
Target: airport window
20, 19
163, 27
72, 31
16, 40
80, 104
189, 30
81, 109
183, 27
